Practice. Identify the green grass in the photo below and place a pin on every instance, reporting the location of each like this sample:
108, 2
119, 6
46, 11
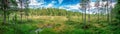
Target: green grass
57, 25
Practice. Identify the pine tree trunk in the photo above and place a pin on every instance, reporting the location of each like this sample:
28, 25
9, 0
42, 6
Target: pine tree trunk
85, 19
21, 9
4, 16
5, 3
98, 15
107, 13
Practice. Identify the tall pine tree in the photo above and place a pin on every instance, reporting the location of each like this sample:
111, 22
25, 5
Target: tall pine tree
116, 14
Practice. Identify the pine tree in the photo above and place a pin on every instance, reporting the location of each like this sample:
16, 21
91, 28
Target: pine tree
89, 11
23, 5
84, 4
21, 8
98, 8
26, 7
4, 7
116, 14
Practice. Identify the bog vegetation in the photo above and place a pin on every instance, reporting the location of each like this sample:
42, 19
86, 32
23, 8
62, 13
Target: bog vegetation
56, 21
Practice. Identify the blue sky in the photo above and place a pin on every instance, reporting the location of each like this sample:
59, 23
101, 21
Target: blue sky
61, 4
54, 3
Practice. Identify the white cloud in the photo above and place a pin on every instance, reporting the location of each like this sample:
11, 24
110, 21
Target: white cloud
61, 7
53, 2
60, 1
50, 5
34, 2
92, 9
92, 4
71, 7
113, 4
77, 6
19, 4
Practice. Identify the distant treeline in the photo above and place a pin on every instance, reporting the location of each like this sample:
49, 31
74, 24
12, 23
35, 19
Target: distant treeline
52, 12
